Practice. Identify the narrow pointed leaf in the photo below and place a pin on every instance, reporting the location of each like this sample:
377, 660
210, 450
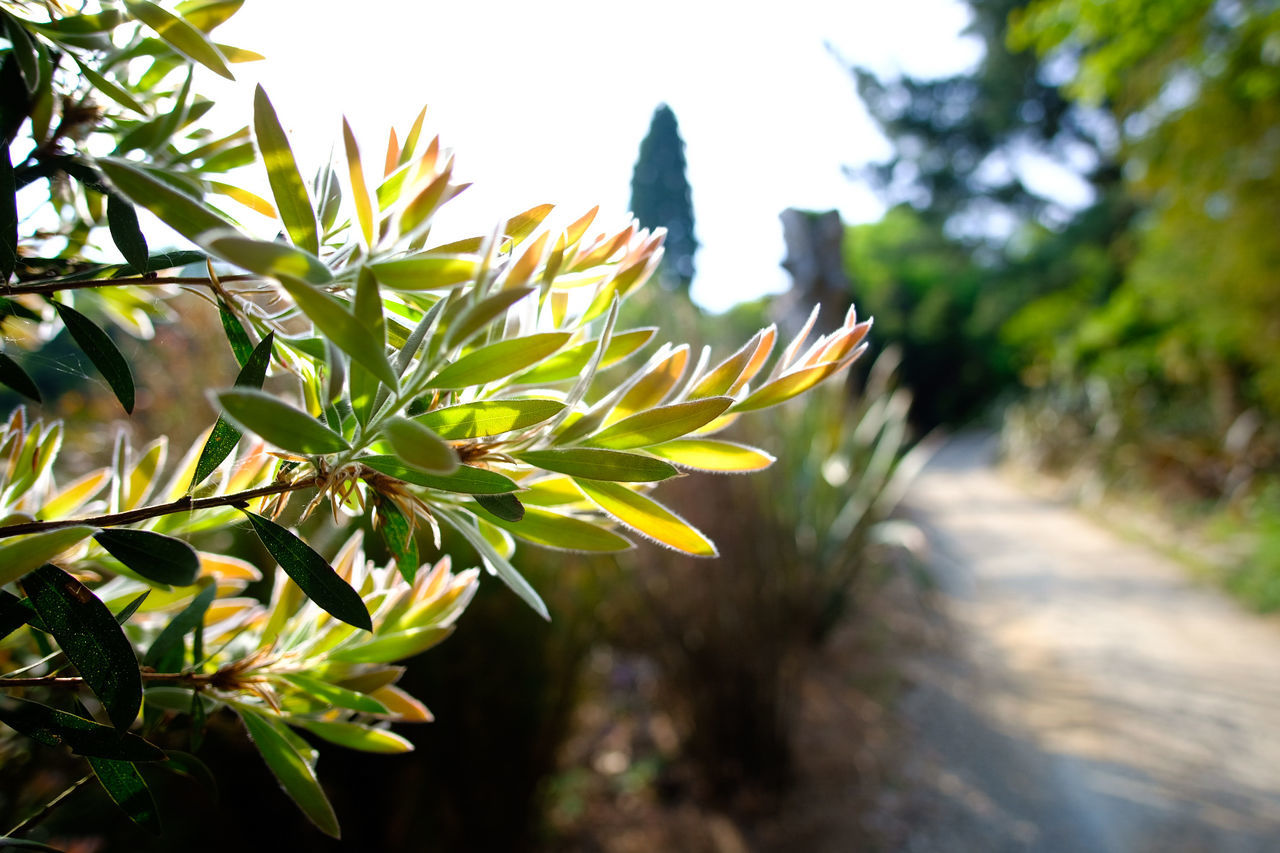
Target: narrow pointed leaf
467, 480
287, 186
13, 376
662, 424
498, 360
791, 384
122, 220
340, 326
155, 556
23, 554
291, 769
9, 843
570, 363
359, 188
355, 736
420, 447
313, 575
269, 258
92, 640
600, 464
497, 563
180, 35
474, 420
102, 351
713, 455
241, 346
184, 214
648, 518
339, 697
52, 727
398, 536
224, 437
128, 790
8, 217
562, 532
280, 423
166, 651
426, 272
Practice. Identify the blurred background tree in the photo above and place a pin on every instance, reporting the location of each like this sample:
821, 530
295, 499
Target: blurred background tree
661, 197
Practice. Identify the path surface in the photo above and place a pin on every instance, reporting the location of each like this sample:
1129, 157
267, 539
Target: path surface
1092, 697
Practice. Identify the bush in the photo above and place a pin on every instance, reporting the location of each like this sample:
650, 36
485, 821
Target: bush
399, 384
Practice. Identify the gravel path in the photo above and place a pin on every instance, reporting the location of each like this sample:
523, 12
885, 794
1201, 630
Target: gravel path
1091, 697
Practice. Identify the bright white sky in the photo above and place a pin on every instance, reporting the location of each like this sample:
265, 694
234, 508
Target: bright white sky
548, 101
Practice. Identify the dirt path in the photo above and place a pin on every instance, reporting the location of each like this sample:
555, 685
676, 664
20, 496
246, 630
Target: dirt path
1092, 697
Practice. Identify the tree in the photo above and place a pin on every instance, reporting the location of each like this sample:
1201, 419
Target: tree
403, 386
661, 198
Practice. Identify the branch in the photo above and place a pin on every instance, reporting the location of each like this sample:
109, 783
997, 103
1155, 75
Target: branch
239, 500
183, 679
46, 287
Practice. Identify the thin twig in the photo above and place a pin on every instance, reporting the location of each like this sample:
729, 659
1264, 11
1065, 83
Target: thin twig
186, 679
183, 504
48, 807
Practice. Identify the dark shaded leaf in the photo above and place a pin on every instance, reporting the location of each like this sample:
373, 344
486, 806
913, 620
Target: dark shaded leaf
163, 261
237, 337
13, 308
8, 217
13, 376
506, 507
466, 480
165, 653
92, 640
126, 787
156, 557
102, 351
224, 437
7, 843
122, 219
191, 767
313, 575
52, 727
124, 614
397, 533
13, 613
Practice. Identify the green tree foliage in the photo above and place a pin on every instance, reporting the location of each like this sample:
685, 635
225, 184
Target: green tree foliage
398, 384
661, 198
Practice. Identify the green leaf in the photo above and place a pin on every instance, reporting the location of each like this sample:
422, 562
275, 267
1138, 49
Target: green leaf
661, 424
13, 376
336, 323
467, 480
332, 694
291, 769
392, 647
475, 420
496, 563
52, 727
122, 220
570, 363
22, 554
8, 217
355, 736
702, 454
482, 313
552, 530
268, 258
498, 360
313, 575
359, 187
506, 507
163, 261
156, 557
102, 351
205, 15
92, 640
237, 337
598, 464
224, 437
7, 843
280, 423
184, 214
24, 51
127, 789
397, 533
124, 614
104, 85
420, 447
166, 651
648, 518
426, 272
180, 35
287, 186
792, 384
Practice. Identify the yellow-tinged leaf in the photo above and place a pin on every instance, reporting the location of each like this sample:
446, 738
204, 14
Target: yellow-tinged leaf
75, 495
794, 383
551, 491
22, 554
520, 226
427, 271
360, 196
180, 35
393, 154
400, 706
229, 568
519, 273
654, 426
578, 228
287, 185
498, 360
732, 373
253, 201
703, 454
269, 258
561, 532
657, 382
647, 517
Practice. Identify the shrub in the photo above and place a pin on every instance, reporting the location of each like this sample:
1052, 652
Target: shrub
395, 382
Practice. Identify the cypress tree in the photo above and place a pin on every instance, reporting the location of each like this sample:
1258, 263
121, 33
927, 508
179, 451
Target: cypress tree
660, 196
